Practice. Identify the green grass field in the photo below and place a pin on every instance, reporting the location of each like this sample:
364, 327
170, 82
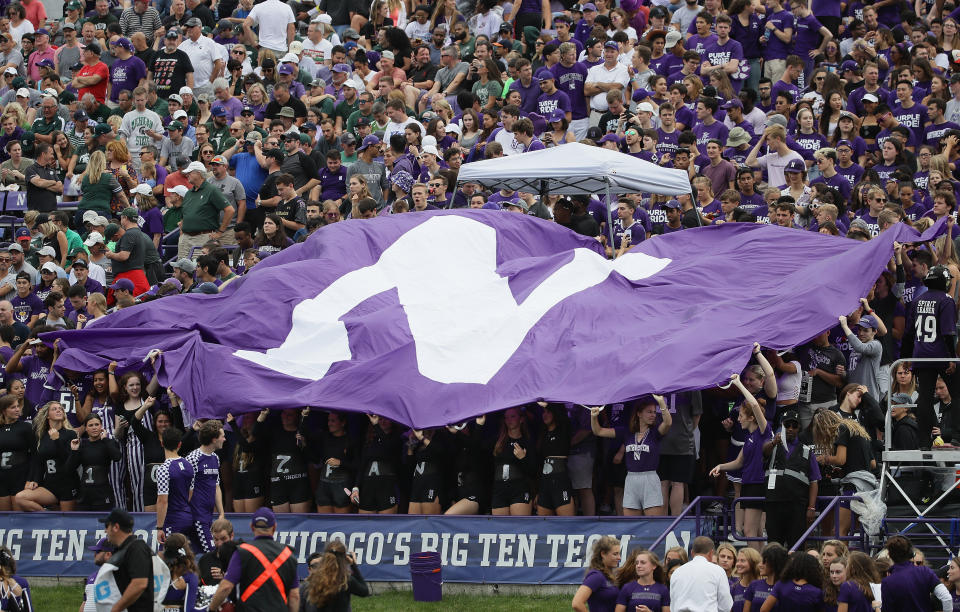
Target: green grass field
67, 599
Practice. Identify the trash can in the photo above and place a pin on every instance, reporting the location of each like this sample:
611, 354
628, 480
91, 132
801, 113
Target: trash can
426, 576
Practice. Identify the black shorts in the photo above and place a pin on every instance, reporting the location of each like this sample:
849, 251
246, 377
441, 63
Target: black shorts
676, 468
248, 485
12, 480
96, 498
755, 489
555, 491
290, 491
62, 488
331, 493
616, 474
425, 488
378, 493
468, 487
509, 492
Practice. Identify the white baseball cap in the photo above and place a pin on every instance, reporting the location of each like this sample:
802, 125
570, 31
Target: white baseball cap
23, 92
180, 190
94, 238
195, 167
186, 90
142, 189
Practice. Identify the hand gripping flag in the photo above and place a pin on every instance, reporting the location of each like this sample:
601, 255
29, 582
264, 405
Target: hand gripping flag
433, 318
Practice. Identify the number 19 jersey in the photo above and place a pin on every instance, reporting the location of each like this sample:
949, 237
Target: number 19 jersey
932, 319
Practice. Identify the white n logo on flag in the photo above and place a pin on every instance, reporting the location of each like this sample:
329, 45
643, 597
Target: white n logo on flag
465, 322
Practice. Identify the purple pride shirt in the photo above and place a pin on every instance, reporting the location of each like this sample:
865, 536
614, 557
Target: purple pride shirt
640, 454
547, 103
570, 81
914, 118
174, 477
654, 596
853, 174
934, 132
721, 54
792, 597
206, 478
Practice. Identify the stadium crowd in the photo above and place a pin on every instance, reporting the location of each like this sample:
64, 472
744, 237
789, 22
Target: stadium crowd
167, 148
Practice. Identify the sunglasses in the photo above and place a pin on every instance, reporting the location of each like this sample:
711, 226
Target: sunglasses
879, 199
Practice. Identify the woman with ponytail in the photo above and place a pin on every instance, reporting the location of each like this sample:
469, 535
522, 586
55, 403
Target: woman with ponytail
184, 584
334, 577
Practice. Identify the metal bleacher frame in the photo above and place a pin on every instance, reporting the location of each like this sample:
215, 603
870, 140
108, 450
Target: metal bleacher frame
891, 464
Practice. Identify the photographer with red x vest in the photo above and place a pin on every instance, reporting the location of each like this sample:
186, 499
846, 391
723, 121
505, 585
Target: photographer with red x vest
263, 572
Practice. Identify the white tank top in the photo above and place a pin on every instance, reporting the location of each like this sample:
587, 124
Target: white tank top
788, 385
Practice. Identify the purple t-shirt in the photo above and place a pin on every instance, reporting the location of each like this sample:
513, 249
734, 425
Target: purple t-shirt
826, 8
837, 182
24, 308
603, 597
206, 478
547, 103
914, 118
721, 54
873, 223
333, 185
529, 94
792, 597
126, 74
806, 36
757, 593
850, 594
640, 453
809, 143
915, 211
655, 596
738, 593
700, 44
667, 142
151, 222
934, 132
35, 372
748, 36
753, 464
932, 317
853, 174
781, 85
233, 107
776, 48
636, 230
705, 132
908, 587
570, 81
174, 477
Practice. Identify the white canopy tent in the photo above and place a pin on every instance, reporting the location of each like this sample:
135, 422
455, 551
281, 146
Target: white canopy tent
576, 168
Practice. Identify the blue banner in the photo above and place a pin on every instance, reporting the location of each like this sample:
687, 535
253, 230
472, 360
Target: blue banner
479, 549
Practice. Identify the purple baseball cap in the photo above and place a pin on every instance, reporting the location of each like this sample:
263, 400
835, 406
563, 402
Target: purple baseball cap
732, 103
123, 284
368, 141
102, 545
285, 69
263, 518
589, 6
123, 42
545, 75
46, 63
609, 138
556, 115
845, 143
611, 45
796, 165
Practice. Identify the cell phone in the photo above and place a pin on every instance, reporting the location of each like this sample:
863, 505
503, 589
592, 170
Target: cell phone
36, 341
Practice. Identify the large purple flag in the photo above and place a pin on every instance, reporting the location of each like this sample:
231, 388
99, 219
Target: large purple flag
432, 318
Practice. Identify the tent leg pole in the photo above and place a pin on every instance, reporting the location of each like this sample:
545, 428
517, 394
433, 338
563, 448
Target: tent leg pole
693, 200
609, 218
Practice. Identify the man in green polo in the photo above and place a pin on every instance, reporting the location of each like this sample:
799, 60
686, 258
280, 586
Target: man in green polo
206, 212
49, 120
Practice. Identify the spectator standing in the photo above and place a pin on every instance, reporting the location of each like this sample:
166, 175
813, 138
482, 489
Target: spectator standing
134, 574
908, 587
171, 68
206, 213
250, 561
204, 57
276, 26
94, 76
128, 260
43, 181
143, 18
128, 72
700, 585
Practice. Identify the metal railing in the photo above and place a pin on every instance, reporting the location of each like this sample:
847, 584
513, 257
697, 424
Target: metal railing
694, 505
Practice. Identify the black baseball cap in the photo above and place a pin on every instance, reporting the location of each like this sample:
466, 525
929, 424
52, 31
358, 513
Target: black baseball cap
790, 416
118, 517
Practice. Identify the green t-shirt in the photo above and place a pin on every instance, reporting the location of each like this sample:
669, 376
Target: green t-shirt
344, 110
218, 137
353, 118
161, 107
492, 89
201, 209
171, 217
